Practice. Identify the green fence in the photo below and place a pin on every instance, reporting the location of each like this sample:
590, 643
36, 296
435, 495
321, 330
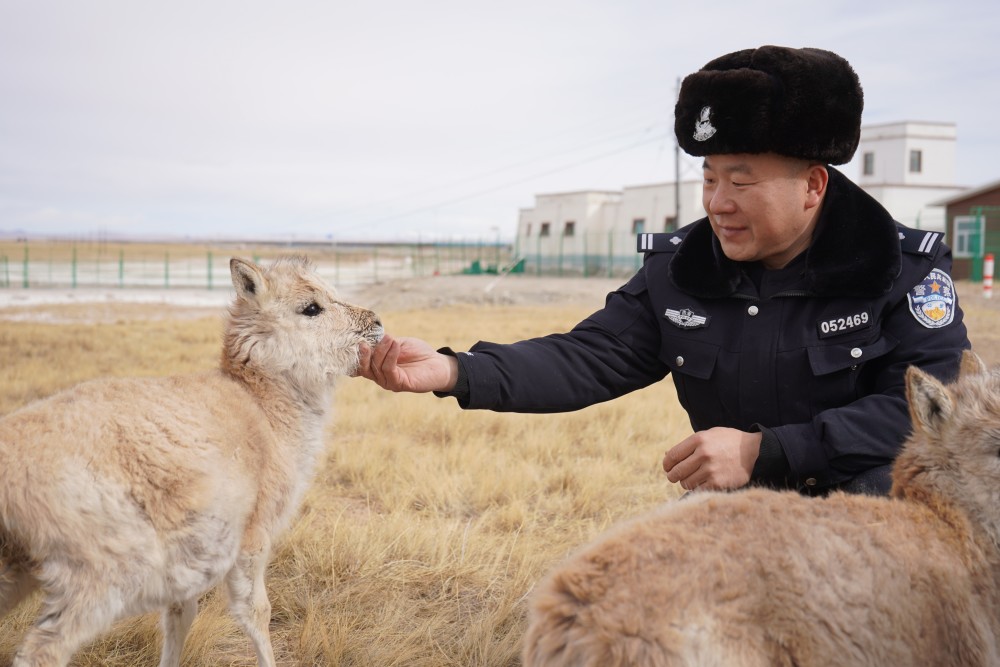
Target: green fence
976, 235
592, 254
40, 264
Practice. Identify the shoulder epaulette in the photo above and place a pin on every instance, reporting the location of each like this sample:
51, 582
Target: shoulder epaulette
663, 242
919, 241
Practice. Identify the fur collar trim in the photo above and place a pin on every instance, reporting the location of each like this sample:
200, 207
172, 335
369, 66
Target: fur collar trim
855, 250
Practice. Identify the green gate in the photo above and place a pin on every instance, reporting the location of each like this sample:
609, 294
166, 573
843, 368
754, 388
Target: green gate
976, 235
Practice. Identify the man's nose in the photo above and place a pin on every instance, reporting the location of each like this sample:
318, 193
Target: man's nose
719, 201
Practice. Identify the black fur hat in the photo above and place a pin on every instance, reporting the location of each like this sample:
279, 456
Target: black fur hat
803, 103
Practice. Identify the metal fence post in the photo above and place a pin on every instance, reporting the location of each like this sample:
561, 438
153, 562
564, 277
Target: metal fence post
209, 269
166, 270
636, 262
611, 254
24, 279
121, 268
980, 247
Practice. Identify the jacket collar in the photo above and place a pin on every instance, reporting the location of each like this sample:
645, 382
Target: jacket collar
855, 250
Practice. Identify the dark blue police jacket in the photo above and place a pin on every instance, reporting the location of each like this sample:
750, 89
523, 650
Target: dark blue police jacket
813, 355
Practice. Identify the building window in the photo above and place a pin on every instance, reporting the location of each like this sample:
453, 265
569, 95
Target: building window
669, 223
527, 229
638, 225
916, 161
570, 228
544, 231
869, 164
968, 238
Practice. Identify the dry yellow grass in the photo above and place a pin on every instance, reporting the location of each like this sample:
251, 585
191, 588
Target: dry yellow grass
426, 526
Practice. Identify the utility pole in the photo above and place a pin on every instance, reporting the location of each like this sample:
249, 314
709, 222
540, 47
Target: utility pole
677, 170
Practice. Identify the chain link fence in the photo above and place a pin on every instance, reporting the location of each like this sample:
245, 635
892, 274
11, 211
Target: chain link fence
975, 236
984, 224
590, 254
62, 264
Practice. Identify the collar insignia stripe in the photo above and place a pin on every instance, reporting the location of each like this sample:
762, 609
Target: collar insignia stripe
928, 242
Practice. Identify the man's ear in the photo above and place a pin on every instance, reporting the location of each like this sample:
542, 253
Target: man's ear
817, 178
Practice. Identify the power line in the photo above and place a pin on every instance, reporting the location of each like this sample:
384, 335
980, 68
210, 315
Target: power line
503, 186
632, 111
493, 172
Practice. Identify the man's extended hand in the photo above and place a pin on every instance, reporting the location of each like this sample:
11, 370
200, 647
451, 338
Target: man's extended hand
407, 364
718, 458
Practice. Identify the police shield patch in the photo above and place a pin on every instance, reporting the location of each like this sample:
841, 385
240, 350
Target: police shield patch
932, 301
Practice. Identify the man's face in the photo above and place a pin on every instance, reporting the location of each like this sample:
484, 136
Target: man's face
762, 206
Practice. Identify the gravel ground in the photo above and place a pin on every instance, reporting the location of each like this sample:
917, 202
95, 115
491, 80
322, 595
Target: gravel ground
102, 304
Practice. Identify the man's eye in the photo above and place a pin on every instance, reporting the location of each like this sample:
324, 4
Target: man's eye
312, 310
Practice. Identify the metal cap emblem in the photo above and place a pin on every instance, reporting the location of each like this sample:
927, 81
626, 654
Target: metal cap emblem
703, 128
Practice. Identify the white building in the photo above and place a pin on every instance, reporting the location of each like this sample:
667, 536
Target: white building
594, 231
905, 166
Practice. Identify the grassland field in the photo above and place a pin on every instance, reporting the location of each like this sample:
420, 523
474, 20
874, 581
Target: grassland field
426, 527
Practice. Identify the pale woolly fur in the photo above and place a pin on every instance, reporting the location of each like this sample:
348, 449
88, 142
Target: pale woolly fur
760, 578
119, 497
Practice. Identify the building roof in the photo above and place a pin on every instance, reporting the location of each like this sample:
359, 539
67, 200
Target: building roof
966, 194
907, 122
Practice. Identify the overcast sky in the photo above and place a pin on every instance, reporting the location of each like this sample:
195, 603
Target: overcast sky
426, 119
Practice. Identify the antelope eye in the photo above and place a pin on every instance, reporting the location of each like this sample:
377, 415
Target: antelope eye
312, 310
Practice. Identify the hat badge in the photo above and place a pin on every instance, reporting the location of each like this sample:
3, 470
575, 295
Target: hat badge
703, 128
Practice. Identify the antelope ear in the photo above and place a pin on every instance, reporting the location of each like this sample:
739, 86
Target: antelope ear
930, 402
972, 364
247, 278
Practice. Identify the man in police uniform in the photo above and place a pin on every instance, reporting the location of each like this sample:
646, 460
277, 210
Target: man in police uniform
786, 318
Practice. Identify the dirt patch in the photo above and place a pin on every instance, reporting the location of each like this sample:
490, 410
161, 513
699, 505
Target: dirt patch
442, 291
67, 306
90, 305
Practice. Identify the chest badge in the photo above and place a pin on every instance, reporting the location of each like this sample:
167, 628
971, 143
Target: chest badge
932, 300
685, 318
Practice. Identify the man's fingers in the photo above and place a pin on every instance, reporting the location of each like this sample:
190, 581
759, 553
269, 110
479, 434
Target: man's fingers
679, 452
384, 361
364, 361
371, 360
683, 470
690, 484
380, 350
